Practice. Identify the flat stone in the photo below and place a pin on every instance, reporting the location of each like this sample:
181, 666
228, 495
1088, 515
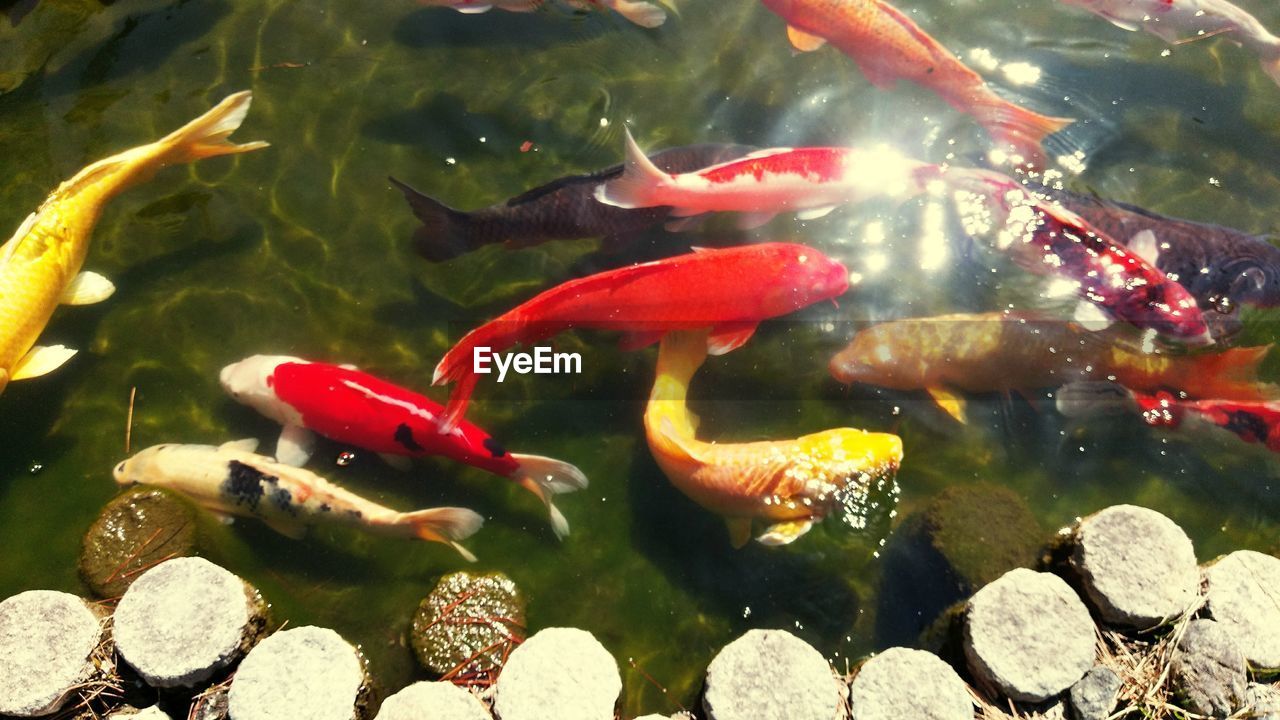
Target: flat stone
901, 683
307, 672
1244, 596
1263, 702
1028, 636
771, 675
1138, 568
151, 713
46, 640
434, 700
1208, 673
468, 624
186, 619
1093, 697
558, 674
677, 716
139, 528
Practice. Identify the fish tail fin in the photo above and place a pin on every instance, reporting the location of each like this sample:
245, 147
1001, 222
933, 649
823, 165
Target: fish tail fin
639, 183
4, 379
680, 354
447, 525
444, 233
1017, 127
644, 14
1093, 398
546, 477
206, 136
1271, 66
1233, 373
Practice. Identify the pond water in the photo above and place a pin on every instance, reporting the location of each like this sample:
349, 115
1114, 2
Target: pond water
304, 249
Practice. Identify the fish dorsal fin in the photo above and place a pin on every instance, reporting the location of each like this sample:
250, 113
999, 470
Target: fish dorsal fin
739, 531
1145, 246
11, 247
804, 41
920, 36
246, 445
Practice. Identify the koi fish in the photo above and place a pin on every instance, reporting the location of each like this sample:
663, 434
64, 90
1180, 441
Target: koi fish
809, 181
1180, 21
350, 406
1021, 352
643, 14
40, 265
230, 479
788, 484
730, 290
564, 209
888, 46
1253, 422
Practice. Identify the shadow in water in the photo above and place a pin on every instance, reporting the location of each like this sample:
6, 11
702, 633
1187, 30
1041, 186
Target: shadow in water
446, 28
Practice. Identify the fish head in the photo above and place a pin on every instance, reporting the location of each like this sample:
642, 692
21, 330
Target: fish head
874, 357
805, 277
1170, 310
136, 469
249, 382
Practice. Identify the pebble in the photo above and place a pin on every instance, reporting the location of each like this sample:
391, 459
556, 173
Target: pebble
1138, 568
466, 623
771, 675
434, 700
1263, 701
1094, 696
307, 672
558, 674
1028, 636
1243, 596
936, 691
186, 619
46, 642
1208, 673
677, 716
151, 713
139, 528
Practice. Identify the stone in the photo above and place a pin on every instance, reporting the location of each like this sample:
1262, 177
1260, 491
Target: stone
1137, 567
139, 528
1093, 697
151, 713
558, 674
1028, 636
677, 716
307, 672
210, 704
1262, 701
47, 643
184, 620
1244, 596
434, 700
771, 675
936, 692
468, 624
1207, 672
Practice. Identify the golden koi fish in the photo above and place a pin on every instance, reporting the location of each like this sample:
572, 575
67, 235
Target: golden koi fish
790, 484
231, 479
40, 264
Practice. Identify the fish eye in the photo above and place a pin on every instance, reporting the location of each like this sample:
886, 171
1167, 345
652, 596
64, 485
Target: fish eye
120, 468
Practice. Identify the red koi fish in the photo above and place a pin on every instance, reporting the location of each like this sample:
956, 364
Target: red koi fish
353, 407
810, 181
1252, 421
888, 46
730, 291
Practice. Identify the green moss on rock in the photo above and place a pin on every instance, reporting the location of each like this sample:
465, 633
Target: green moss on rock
138, 529
468, 624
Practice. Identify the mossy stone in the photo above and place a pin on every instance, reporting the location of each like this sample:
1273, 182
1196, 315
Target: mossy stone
468, 624
983, 531
138, 529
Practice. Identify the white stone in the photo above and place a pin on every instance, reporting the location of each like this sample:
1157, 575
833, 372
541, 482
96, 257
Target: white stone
434, 700
1137, 566
902, 683
182, 621
771, 675
1028, 636
307, 672
46, 639
1244, 597
151, 713
558, 674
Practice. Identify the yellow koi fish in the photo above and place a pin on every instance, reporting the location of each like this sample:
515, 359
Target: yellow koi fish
231, 479
789, 484
40, 264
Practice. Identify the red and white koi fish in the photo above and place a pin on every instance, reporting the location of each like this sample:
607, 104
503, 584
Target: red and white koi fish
354, 407
644, 14
730, 291
888, 46
809, 181
1181, 21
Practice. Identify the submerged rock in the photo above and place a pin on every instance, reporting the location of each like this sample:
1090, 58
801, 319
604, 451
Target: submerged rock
900, 683
307, 672
136, 530
435, 700
186, 619
1242, 596
1138, 567
468, 624
1208, 673
1094, 696
1028, 636
771, 675
558, 674
47, 643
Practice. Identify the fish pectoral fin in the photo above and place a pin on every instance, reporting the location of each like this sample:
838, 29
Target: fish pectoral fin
679, 449
225, 518
246, 445
87, 288
637, 340
1090, 317
685, 223
729, 337
286, 527
1167, 33
41, 360
295, 445
400, 462
1123, 24
815, 213
753, 220
803, 41
881, 79
785, 533
471, 9
951, 403
1145, 246
739, 531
